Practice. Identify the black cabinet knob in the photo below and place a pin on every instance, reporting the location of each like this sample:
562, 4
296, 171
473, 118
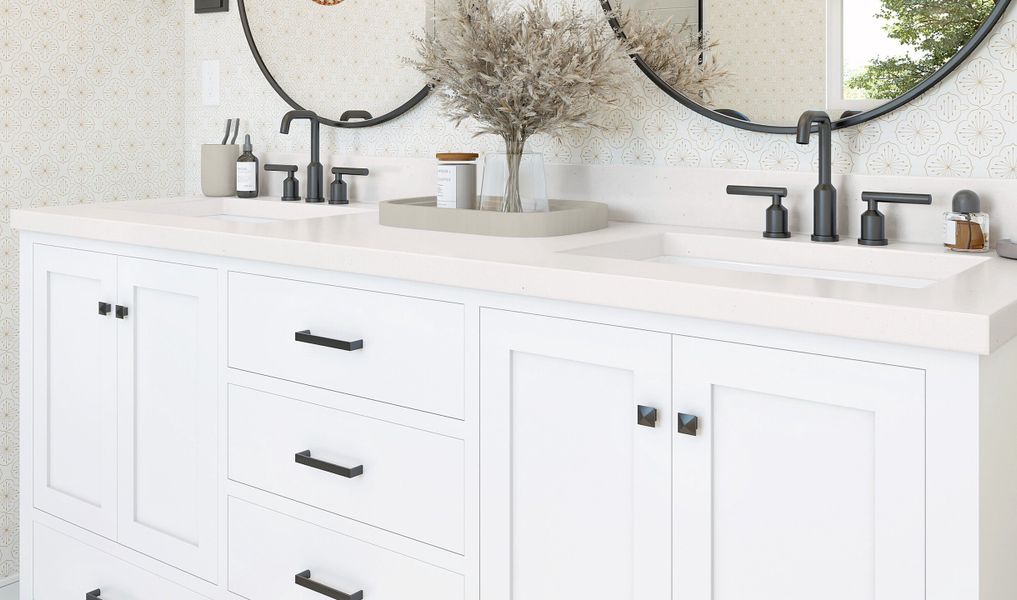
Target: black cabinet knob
688, 424
121, 312
93, 595
646, 416
105, 308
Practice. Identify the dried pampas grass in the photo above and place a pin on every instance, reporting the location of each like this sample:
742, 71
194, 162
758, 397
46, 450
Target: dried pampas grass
682, 56
521, 71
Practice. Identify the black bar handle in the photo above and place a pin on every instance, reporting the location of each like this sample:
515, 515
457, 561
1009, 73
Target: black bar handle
304, 458
105, 308
122, 312
304, 580
93, 595
306, 337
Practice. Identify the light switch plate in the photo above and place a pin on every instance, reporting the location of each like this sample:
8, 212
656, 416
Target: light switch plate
210, 6
210, 83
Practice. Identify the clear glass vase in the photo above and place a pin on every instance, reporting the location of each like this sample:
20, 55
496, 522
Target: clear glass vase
514, 183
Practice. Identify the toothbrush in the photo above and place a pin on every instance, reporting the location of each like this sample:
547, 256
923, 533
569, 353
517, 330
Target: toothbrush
236, 130
227, 136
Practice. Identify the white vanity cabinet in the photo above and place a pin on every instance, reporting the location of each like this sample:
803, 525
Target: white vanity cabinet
800, 468
576, 493
198, 426
124, 372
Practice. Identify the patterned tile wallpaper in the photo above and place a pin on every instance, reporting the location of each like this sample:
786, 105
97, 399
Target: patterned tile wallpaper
967, 127
91, 110
770, 86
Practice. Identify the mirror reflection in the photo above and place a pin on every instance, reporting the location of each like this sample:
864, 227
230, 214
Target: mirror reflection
774, 59
333, 56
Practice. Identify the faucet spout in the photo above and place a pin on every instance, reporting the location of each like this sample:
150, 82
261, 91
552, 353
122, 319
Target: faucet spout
315, 170
825, 195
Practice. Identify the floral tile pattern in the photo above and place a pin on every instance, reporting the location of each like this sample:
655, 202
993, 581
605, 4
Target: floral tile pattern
966, 127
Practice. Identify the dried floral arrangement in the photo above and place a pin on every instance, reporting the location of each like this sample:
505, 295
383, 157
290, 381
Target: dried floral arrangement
522, 71
685, 58
518, 69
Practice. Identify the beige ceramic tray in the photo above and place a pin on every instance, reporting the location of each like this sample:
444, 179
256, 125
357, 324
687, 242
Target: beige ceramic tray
566, 217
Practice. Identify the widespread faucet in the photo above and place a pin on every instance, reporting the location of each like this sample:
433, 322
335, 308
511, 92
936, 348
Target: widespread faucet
315, 171
824, 203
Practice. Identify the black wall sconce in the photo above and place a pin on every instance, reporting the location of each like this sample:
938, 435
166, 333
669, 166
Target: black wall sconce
211, 6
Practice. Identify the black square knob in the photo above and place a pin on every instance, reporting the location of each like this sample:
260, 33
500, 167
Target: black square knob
646, 416
688, 424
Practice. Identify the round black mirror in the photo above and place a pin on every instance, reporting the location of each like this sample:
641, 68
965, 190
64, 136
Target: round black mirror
342, 60
760, 68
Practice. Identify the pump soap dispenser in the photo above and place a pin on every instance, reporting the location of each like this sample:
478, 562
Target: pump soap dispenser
247, 172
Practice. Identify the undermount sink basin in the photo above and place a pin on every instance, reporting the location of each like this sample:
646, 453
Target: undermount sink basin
242, 210
907, 266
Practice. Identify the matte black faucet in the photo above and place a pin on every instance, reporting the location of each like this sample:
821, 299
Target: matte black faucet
825, 195
315, 171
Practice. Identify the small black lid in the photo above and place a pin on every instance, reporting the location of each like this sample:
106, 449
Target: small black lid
247, 143
966, 201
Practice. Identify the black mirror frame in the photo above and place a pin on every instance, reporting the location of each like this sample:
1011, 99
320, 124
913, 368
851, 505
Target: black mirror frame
857, 119
398, 112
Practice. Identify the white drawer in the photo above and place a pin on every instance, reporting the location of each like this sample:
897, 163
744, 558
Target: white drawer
68, 569
412, 354
412, 481
268, 550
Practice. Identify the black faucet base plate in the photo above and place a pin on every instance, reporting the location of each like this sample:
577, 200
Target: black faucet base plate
315, 200
864, 242
826, 238
776, 236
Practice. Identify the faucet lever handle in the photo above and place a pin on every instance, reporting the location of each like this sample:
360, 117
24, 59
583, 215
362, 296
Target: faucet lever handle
339, 191
874, 222
291, 186
776, 214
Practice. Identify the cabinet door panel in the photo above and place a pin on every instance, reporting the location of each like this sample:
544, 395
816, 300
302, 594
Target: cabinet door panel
576, 493
807, 478
168, 413
74, 395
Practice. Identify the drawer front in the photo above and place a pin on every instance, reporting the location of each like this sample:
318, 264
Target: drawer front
65, 568
412, 350
397, 478
268, 550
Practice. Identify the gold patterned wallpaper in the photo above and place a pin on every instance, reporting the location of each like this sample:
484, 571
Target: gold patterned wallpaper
91, 110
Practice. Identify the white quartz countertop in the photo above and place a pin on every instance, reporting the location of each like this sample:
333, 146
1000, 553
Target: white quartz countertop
974, 311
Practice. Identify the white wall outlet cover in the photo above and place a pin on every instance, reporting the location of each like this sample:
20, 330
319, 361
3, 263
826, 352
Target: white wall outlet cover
210, 83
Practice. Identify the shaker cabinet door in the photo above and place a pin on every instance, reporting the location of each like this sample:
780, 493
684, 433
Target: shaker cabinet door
575, 460
74, 388
805, 478
167, 382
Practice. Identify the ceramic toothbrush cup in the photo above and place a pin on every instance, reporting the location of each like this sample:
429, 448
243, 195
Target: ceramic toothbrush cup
219, 169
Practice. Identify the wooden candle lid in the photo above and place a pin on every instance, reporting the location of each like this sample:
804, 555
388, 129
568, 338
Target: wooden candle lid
456, 156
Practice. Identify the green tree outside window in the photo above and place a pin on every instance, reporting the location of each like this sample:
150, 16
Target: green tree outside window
935, 30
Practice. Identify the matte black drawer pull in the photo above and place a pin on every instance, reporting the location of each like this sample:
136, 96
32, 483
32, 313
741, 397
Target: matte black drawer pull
93, 595
306, 337
304, 580
688, 424
105, 308
304, 458
122, 312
